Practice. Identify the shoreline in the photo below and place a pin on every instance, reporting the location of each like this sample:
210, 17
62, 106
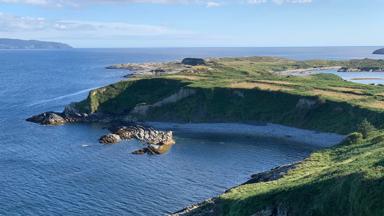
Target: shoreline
306, 72
309, 137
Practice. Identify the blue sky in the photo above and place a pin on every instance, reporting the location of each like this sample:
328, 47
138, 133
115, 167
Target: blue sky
195, 23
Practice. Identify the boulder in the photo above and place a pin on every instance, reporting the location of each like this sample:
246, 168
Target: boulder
141, 151
110, 139
193, 61
48, 118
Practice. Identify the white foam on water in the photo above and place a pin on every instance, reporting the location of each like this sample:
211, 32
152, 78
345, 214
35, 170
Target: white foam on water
60, 97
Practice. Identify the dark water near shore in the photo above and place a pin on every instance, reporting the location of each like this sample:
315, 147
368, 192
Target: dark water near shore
64, 171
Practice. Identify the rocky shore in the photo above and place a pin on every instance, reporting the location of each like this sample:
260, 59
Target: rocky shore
156, 141
56, 118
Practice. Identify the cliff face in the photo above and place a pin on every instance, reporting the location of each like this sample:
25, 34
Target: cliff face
31, 44
379, 51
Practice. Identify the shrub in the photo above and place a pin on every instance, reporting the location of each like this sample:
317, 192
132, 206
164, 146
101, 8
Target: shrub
365, 128
353, 138
378, 139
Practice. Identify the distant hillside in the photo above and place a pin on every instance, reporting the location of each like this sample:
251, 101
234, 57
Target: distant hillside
30, 44
379, 51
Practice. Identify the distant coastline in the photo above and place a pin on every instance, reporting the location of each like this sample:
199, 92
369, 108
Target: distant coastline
379, 52
10, 44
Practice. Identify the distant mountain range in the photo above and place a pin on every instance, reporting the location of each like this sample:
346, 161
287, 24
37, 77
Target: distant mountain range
379, 51
6, 43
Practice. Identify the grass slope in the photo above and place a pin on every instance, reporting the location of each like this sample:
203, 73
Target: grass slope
344, 180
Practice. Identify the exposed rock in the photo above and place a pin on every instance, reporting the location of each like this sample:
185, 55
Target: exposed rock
151, 69
69, 115
379, 52
110, 139
193, 61
132, 67
308, 104
141, 151
158, 142
277, 210
48, 118
272, 175
205, 208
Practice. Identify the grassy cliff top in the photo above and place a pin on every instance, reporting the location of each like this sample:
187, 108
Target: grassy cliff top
262, 73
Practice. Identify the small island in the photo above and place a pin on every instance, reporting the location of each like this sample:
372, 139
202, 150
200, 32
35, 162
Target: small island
6, 43
379, 52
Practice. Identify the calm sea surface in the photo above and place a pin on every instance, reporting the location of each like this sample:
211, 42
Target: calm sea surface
64, 171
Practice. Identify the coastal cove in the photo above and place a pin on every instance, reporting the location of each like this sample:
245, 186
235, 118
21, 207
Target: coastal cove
63, 169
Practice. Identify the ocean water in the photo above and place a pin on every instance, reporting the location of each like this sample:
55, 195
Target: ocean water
359, 77
64, 171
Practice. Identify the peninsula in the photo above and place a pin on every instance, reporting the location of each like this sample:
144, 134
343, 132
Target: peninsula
379, 51
6, 43
346, 179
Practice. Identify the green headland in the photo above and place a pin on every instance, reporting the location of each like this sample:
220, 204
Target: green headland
347, 179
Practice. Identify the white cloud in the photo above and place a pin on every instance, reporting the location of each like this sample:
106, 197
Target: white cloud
62, 3
256, 1
279, 2
213, 4
37, 27
208, 3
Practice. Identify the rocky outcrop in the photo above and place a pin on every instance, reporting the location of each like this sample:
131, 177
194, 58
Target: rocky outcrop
379, 52
210, 207
193, 61
48, 118
157, 142
272, 175
152, 69
69, 115
308, 104
110, 139
55, 118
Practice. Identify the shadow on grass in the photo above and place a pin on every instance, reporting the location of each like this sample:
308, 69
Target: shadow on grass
345, 195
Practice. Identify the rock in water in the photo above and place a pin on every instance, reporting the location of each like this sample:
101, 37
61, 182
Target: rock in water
379, 52
193, 61
141, 151
158, 142
110, 139
48, 118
